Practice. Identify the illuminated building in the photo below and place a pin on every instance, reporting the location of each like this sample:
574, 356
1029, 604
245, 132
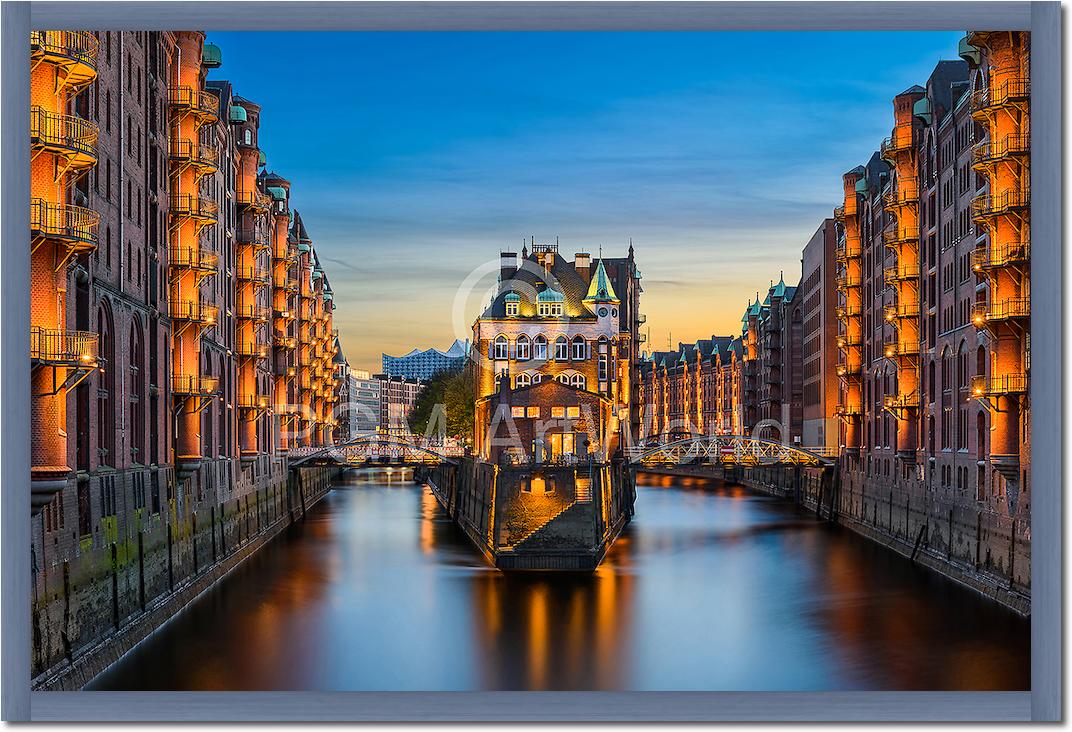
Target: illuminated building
425, 364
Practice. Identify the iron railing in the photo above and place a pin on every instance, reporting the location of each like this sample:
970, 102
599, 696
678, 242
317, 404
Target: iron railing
253, 312
187, 150
193, 258
194, 206
201, 102
80, 46
1014, 383
993, 205
73, 224
999, 256
64, 346
193, 311
184, 384
63, 132
999, 95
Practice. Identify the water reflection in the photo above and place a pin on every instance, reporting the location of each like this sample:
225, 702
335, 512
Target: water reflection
711, 587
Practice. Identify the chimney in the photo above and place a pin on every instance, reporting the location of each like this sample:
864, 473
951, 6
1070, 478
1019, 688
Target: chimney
507, 265
582, 262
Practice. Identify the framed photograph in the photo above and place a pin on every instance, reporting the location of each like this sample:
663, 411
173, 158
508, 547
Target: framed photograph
531, 361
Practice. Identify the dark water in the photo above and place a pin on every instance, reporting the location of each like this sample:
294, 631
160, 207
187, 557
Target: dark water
709, 588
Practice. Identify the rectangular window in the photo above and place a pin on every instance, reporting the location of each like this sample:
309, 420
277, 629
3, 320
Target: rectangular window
511, 308
573, 411
558, 412
532, 412
517, 411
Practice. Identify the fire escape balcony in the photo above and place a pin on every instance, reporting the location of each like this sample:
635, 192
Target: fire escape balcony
1012, 308
844, 281
284, 282
257, 275
901, 349
253, 200
995, 257
900, 141
905, 194
194, 206
251, 349
901, 273
284, 313
72, 138
848, 410
986, 153
845, 370
901, 310
845, 340
195, 258
204, 158
848, 311
256, 313
898, 403
257, 402
987, 206
194, 385
194, 312
843, 252
73, 226
202, 104
983, 386
74, 348
839, 214
251, 236
73, 52
1011, 92
285, 342
896, 235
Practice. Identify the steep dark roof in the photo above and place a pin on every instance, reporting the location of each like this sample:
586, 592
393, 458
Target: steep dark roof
530, 278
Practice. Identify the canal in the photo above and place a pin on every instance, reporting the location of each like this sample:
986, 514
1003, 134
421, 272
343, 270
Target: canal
710, 588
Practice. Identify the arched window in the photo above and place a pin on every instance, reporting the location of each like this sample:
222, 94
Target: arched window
539, 348
580, 348
537, 378
523, 348
577, 381
105, 415
137, 401
500, 350
562, 379
561, 349
523, 380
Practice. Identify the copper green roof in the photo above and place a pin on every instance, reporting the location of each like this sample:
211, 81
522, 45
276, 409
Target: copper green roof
238, 114
278, 193
262, 159
512, 297
600, 289
550, 295
211, 56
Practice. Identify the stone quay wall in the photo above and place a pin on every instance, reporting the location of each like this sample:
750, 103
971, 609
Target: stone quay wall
98, 595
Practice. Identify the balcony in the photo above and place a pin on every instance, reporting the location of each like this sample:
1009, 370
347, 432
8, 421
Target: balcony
1008, 93
74, 52
76, 348
848, 311
248, 349
1009, 146
987, 206
284, 313
253, 200
194, 385
901, 310
253, 401
846, 340
202, 157
996, 257
843, 252
73, 226
1012, 308
187, 100
249, 235
72, 138
844, 281
848, 410
905, 194
845, 370
253, 312
900, 402
194, 206
898, 143
901, 273
285, 342
256, 275
195, 258
194, 312
982, 386
896, 349
641, 318
839, 214
896, 235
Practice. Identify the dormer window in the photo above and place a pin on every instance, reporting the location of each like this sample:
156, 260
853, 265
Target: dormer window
549, 303
513, 305
511, 309
550, 310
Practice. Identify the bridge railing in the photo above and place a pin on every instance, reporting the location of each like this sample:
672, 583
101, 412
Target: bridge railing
725, 449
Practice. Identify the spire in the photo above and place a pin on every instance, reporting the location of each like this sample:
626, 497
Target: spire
600, 288
630, 247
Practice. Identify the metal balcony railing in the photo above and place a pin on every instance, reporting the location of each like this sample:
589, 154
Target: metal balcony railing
843, 252
994, 257
844, 280
849, 410
901, 272
194, 384
906, 192
900, 140
64, 347
64, 134
194, 258
1014, 383
901, 401
848, 311
194, 206
73, 225
251, 350
901, 310
195, 312
65, 46
253, 401
845, 370
846, 340
253, 199
202, 103
896, 235
1001, 310
839, 214
1000, 95
253, 312
205, 157
288, 343
1008, 146
256, 275
893, 349
985, 206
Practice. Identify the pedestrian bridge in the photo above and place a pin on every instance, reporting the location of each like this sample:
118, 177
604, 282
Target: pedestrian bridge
724, 450
374, 450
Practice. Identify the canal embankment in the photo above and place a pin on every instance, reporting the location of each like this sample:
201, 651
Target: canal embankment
113, 595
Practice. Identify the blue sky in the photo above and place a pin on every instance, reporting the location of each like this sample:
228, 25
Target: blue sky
415, 158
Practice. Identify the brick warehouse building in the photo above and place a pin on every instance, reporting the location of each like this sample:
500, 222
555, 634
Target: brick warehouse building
934, 312
181, 328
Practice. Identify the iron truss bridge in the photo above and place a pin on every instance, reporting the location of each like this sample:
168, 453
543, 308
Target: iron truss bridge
725, 450
372, 450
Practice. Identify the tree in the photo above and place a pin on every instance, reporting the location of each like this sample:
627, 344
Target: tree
451, 394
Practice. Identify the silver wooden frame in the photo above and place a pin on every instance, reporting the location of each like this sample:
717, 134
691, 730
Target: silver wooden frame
1042, 703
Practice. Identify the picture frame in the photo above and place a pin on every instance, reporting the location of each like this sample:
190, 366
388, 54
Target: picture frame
1042, 703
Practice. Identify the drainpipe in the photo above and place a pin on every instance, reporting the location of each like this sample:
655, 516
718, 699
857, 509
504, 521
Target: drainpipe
121, 375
